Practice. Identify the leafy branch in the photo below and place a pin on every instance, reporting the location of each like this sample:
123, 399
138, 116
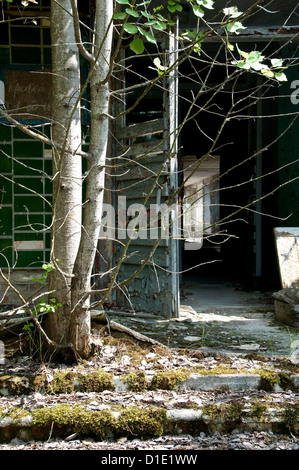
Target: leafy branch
254, 61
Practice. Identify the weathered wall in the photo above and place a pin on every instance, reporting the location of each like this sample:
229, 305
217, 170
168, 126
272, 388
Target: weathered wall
21, 279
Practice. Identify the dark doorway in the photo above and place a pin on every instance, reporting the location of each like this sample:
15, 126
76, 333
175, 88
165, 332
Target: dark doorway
229, 237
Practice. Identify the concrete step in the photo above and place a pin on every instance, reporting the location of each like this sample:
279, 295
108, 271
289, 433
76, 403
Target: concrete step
139, 416
69, 380
66, 403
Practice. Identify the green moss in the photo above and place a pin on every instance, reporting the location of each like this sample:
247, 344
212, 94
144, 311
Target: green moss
142, 422
97, 381
222, 416
77, 419
60, 382
14, 385
15, 412
258, 409
60, 414
168, 380
269, 379
220, 369
224, 412
291, 417
137, 381
256, 357
286, 382
133, 421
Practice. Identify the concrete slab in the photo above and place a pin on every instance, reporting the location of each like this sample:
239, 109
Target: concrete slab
234, 319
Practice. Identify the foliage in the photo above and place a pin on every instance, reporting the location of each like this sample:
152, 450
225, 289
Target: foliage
149, 21
140, 23
41, 308
47, 268
254, 61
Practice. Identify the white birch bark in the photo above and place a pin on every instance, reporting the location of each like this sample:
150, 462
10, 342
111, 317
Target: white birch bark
67, 172
80, 322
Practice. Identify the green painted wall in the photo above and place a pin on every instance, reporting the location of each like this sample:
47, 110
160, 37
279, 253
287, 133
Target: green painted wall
25, 166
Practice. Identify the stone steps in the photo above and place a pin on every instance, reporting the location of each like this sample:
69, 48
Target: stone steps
99, 380
100, 405
93, 418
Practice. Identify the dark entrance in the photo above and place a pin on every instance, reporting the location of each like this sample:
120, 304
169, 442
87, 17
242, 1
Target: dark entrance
233, 243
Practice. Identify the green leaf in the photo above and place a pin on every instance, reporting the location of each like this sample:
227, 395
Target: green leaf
147, 15
123, 2
147, 35
161, 18
157, 25
157, 63
255, 56
174, 6
243, 65
137, 46
206, 3
198, 11
131, 12
130, 28
234, 27
229, 45
276, 62
232, 12
119, 16
159, 68
281, 77
242, 53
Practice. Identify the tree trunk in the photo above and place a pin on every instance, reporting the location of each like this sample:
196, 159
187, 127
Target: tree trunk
95, 182
67, 172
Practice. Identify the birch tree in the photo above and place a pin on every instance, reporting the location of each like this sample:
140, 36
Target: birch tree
74, 243
67, 168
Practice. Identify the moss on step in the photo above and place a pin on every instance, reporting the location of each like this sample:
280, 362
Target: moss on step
14, 385
67, 381
136, 381
291, 417
258, 409
15, 413
132, 421
59, 382
142, 422
270, 380
96, 381
168, 380
220, 412
227, 416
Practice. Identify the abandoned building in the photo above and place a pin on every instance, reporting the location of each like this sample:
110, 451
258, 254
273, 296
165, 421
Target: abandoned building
226, 242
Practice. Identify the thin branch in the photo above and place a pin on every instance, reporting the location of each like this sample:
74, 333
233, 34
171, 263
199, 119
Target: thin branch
40, 137
87, 55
